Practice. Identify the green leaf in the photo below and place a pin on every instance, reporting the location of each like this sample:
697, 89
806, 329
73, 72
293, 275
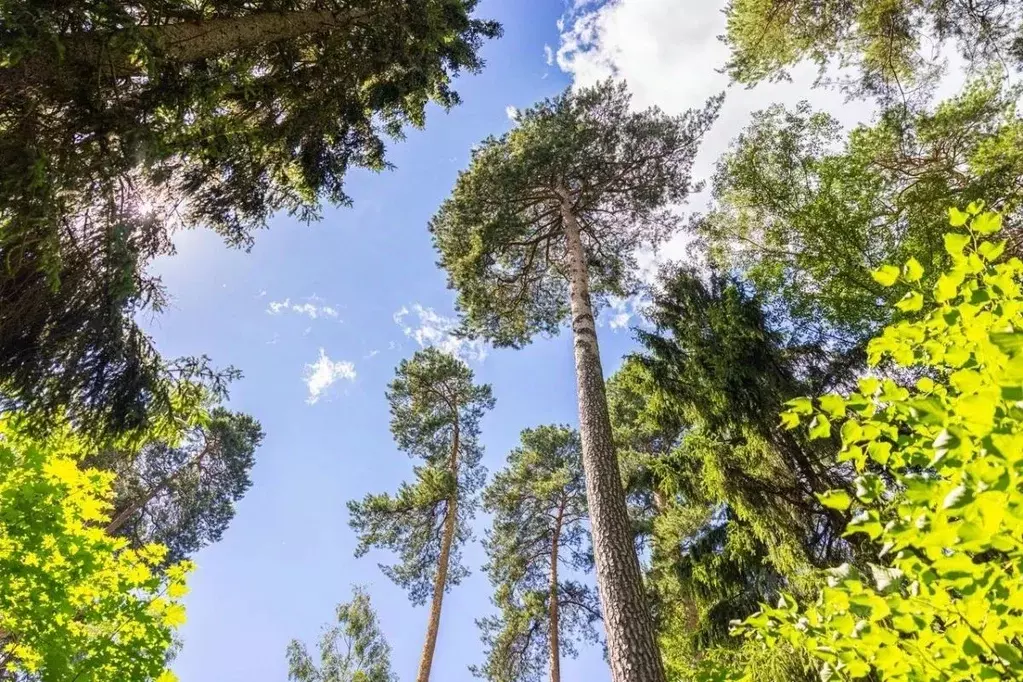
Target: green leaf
912, 271
911, 302
975, 207
820, 427
801, 405
886, 275
955, 243
835, 499
946, 288
789, 420
991, 251
833, 404
957, 218
987, 223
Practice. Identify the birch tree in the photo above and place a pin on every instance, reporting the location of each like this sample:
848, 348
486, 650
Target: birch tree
354, 650
543, 226
435, 414
539, 528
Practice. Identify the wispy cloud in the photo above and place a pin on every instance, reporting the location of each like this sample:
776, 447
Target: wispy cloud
548, 54
324, 373
512, 113
428, 328
309, 309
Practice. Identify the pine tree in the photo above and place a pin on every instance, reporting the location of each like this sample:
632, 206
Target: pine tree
544, 224
354, 650
435, 414
539, 508
182, 495
121, 122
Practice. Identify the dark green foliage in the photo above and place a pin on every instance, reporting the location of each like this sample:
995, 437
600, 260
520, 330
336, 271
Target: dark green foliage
539, 504
727, 493
500, 234
354, 650
183, 496
894, 45
121, 122
806, 215
435, 406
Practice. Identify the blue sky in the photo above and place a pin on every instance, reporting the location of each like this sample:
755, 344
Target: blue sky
329, 293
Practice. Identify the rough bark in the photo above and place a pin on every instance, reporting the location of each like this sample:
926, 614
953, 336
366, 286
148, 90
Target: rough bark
555, 623
632, 646
109, 56
440, 581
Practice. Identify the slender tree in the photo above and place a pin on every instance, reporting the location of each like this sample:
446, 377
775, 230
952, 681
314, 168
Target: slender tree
548, 218
539, 527
354, 650
123, 121
435, 414
182, 495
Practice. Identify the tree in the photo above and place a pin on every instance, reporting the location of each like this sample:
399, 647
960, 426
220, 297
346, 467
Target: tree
435, 414
539, 508
354, 650
726, 496
182, 495
545, 223
76, 603
893, 45
938, 484
122, 122
805, 214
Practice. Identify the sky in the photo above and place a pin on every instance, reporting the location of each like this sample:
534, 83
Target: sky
317, 317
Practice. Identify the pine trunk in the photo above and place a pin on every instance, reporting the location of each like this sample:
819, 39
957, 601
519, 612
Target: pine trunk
440, 582
555, 618
632, 647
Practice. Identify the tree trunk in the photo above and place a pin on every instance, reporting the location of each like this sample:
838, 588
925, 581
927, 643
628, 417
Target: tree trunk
632, 647
107, 55
439, 583
555, 621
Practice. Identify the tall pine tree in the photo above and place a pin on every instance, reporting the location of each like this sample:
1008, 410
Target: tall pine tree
543, 225
539, 528
435, 414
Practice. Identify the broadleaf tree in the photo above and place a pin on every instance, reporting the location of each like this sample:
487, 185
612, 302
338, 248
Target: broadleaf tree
353, 650
435, 413
539, 528
543, 226
121, 122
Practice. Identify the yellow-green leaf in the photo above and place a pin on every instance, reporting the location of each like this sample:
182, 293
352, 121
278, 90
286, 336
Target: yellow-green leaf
912, 271
886, 275
911, 302
957, 218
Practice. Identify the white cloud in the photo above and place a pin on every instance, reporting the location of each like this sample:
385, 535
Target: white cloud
433, 329
309, 309
372, 354
324, 373
548, 54
512, 113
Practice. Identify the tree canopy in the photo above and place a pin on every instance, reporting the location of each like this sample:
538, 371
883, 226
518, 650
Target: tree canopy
353, 650
893, 46
500, 234
538, 504
121, 122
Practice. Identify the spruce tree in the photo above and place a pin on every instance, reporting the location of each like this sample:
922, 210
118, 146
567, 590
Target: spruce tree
539, 528
435, 414
546, 223
123, 121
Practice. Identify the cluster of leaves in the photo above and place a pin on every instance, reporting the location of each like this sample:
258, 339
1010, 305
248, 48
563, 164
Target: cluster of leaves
889, 43
75, 602
354, 650
939, 489
806, 214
